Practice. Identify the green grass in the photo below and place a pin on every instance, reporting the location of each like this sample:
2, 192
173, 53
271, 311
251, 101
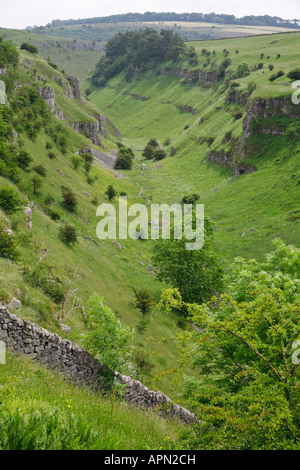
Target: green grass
102, 267
249, 210
62, 51
189, 30
41, 410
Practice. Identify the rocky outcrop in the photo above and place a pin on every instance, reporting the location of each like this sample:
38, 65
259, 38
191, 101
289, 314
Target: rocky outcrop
75, 87
89, 129
105, 123
202, 76
226, 159
48, 95
79, 365
234, 95
264, 109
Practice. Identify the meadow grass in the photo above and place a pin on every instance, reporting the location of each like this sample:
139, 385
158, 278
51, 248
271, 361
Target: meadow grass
41, 410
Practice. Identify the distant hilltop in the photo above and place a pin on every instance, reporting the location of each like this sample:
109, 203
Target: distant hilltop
264, 20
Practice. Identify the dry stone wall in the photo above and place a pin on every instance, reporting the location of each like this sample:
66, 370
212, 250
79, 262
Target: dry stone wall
79, 365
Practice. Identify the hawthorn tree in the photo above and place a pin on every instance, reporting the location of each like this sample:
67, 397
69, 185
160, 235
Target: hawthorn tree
247, 350
196, 273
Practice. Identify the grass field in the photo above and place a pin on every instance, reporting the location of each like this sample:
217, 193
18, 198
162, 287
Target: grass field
248, 210
40, 410
75, 58
189, 30
102, 266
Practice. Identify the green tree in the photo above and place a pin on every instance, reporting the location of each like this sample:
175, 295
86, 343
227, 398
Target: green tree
75, 162
111, 192
7, 245
68, 234
10, 199
143, 301
29, 47
249, 354
159, 154
148, 152
107, 338
124, 159
69, 199
196, 273
37, 183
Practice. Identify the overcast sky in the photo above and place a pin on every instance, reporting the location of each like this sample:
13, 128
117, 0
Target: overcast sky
21, 13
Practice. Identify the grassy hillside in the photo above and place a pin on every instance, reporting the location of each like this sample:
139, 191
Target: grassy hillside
101, 266
248, 210
76, 58
191, 30
40, 410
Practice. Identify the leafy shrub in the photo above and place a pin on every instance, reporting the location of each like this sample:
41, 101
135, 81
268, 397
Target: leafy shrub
10, 199
279, 74
37, 183
107, 338
24, 159
124, 159
159, 154
294, 74
29, 47
111, 192
143, 301
7, 245
69, 199
251, 87
148, 152
40, 170
51, 155
243, 70
68, 235
190, 199
75, 162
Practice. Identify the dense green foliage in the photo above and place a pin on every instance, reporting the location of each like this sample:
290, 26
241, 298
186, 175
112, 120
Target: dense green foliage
247, 356
107, 338
134, 50
196, 273
124, 159
26, 46
40, 410
8, 54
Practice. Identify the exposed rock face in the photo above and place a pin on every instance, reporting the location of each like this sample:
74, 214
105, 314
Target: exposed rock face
75, 86
266, 108
193, 76
234, 95
103, 122
76, 363
226, 159
48, 95
58, 113
89, 129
